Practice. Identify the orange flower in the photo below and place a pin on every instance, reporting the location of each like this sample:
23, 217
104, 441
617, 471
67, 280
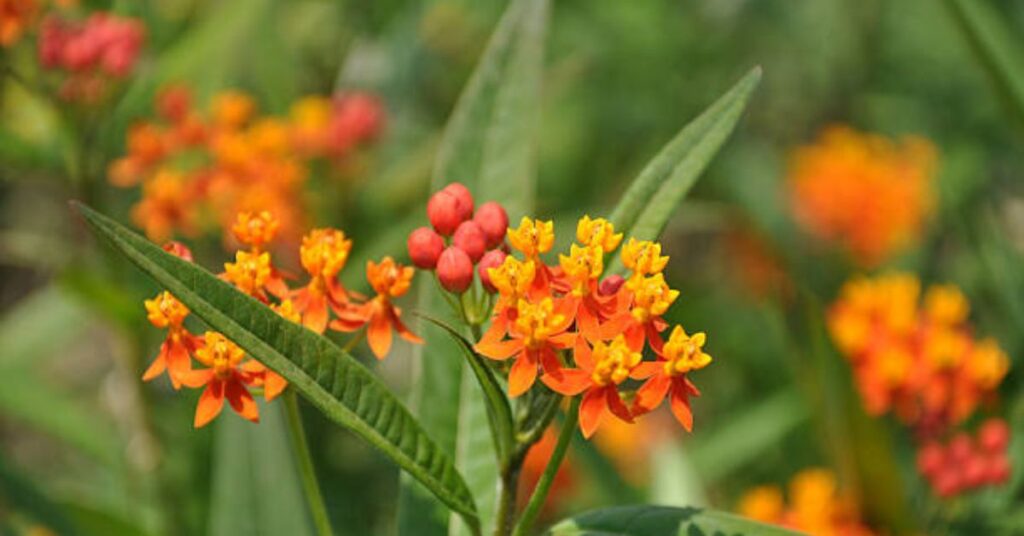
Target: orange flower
919, 360
15, 16
538, 332
816, 506
600, 372
224, 379
646, 299
166, 205
680, 355
581, 271
390, 280
323, 253
255, 230
865, 192
166, 312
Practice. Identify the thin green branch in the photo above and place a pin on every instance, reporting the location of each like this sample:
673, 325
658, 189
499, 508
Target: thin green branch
305, 462
540, 492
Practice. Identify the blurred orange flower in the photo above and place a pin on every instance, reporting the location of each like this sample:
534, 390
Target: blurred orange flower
867, 193
816, 506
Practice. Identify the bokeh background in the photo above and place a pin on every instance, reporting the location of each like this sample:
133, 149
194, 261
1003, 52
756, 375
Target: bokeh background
79, 429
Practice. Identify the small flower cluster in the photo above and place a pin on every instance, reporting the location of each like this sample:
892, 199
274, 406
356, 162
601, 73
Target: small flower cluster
816, 506
966, 464
546, 314
198, 170
918, 360
475, 238
92, 52
230, 373
865, 192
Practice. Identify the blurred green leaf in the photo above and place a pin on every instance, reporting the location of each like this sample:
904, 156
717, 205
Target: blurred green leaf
331, 379
654, 195
256, 487
488, 145
19, 493
90, 520
661, 521
996, 46
743, 437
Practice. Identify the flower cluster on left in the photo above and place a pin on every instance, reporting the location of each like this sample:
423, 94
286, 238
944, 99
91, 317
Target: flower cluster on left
226, 372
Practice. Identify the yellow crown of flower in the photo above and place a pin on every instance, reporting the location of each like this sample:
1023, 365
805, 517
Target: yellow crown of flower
598, 233
389, 278
536, 322
684, 353
512, 278
614, 361
651, 297
643, 257
255, 229
581, 266
532, 237
219, 353
288, 311
249, 272
165, 310
324, 252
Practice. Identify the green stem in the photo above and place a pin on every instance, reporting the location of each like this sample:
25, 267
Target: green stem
540, 493
302, 457
505, 517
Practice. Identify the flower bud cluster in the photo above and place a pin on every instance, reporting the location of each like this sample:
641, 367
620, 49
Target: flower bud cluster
967, 463
91, 52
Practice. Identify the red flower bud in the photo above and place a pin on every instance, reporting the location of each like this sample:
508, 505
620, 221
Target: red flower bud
445, 212
178, 250
947, 483
425, 246
493, 220
930, 459
999, 470
610, 285
469, 238
455, 270
994, 436
465, 199
960, 449
975, 471
491, 259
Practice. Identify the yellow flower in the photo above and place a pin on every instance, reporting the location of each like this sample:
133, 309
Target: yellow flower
165, 311
536, 322
643, 257
684, 353
582, 266
324, 252
249, 272
255, 229
613, 361
513, 277
651, 297
598, 233
532, 237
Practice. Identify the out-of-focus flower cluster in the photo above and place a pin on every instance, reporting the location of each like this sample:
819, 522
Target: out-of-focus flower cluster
867, 193
90, 52
581, 330
229, 372
964, 463
816, 506
918, 359
197, 170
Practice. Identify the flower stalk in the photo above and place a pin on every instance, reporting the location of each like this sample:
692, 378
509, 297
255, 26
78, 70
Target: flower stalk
304, 460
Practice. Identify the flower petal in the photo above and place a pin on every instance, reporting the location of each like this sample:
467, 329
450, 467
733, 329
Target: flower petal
273, 385
402, 329
571, 382
616, 406
241, 400
196, 378
583, 355
646, 369
592, 410
499, 350
210, 404
158, 366
378, 334
681, 405
315, 317
522, 375
651, 393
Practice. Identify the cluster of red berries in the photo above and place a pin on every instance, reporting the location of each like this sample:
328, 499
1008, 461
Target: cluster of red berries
100, 47
460, 239
965, 464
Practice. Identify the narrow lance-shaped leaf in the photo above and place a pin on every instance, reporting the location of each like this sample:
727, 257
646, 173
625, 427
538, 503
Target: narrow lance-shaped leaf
997, 47
342, 388
662, 521
650, 200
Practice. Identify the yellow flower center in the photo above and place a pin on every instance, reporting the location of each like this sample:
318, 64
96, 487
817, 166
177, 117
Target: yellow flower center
255, 230
536, 322
532, 237
684, 353
249, 272
643, 257
324, 252
513, 277
220, 354
614, 361
599, 233
651, 297
582, 266
389, 278
165, 311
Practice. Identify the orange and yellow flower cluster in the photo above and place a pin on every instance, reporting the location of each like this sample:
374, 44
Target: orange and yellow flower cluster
867, 193
198, 170
918, 360
229, 373
816, 506
546, 314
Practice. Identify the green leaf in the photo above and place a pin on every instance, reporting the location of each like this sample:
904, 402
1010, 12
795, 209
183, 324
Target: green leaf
996, 46
20, 494
662, 521
256, 487
653, 196
488, 145
332, 380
